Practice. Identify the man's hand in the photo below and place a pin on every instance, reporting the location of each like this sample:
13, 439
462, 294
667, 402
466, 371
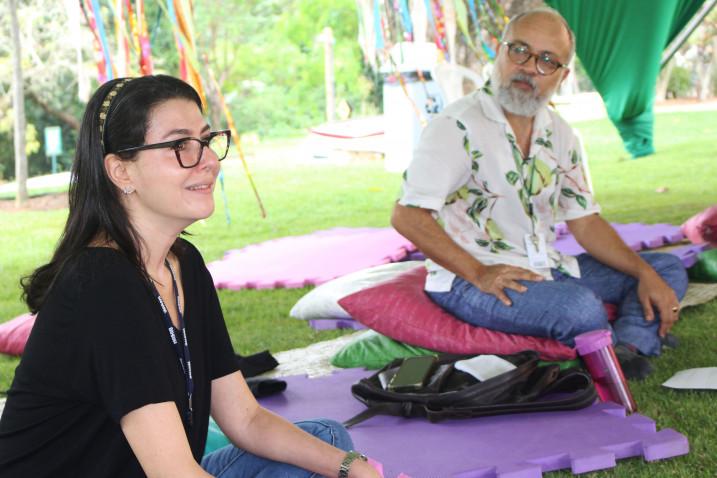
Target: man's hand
493, 279
655, 295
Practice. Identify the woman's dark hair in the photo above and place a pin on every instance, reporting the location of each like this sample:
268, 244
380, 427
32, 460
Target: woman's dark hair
96, 211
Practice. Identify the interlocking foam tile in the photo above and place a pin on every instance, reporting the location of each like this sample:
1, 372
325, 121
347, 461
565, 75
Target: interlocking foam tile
298, 261
331, 324
636, 236
515, 446
689, 253
313, 259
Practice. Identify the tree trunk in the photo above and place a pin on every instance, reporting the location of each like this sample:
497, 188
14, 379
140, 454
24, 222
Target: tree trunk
705, 70
62, 116
663, 80
18, 98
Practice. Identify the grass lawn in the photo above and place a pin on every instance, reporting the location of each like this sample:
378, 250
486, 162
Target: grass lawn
301, 198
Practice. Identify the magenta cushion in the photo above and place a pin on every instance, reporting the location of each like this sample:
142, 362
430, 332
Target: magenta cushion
14, 334
400, 309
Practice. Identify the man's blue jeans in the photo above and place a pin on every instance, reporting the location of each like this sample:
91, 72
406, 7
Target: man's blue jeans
233, 462
566, 306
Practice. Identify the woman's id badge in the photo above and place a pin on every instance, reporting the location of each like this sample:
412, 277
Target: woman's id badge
537, 251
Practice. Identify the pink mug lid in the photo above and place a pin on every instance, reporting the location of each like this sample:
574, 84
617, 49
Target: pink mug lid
589, 342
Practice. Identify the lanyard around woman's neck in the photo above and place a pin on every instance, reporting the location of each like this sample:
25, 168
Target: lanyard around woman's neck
182, 350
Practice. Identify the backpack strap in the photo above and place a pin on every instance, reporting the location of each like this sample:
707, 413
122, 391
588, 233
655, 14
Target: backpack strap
400, 409
538, 382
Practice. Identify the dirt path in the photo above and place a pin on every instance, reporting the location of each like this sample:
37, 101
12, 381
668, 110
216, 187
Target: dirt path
44, 202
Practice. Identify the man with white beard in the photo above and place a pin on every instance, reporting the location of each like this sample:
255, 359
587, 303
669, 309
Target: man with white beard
490, 178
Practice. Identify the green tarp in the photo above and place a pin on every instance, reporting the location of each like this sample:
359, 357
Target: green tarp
620, 43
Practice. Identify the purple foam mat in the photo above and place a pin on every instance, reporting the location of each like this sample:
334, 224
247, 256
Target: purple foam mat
331, 324
689, 254
312, 259
637, 236
515, 446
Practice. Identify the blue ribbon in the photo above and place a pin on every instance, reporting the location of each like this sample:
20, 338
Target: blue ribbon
377, 25
103, 39
405, 16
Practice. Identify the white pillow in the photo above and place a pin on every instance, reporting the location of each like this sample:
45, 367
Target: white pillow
322, 301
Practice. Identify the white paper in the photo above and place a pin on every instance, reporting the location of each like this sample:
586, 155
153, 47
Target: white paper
484, 367
699, 378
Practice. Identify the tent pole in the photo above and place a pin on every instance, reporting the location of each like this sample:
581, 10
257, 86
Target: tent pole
687, 31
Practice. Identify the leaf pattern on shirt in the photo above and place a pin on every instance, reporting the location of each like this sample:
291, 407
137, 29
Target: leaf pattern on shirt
572, 189
495, 240
462, 193
545, 141
484, 198
519, 174
473, 154
531, 175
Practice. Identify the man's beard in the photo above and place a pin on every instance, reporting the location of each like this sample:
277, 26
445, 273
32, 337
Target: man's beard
513, 99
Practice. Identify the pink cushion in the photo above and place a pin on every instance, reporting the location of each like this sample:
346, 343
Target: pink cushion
14, 334
400, 309
702, 227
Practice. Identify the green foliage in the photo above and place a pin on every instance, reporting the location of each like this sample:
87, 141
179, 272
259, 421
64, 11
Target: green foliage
680, 82
265, 55
268, 58
37, 162
49, 63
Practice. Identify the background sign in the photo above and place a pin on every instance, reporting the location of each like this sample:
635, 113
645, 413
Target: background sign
53, 141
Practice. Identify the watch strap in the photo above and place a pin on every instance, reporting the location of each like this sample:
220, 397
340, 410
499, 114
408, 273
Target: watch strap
350, 457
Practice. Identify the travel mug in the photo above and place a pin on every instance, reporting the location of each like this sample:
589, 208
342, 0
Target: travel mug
595, 348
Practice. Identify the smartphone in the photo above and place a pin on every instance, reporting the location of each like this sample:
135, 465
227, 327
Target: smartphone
412, 373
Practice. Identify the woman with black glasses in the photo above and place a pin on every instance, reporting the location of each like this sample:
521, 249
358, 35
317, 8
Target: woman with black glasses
129, 354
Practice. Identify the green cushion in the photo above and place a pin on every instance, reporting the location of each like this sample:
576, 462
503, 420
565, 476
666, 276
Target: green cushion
705, 269
565, 364
373, 350
215, 438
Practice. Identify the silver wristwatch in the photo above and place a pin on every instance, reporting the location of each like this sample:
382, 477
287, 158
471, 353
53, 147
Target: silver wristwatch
348, 459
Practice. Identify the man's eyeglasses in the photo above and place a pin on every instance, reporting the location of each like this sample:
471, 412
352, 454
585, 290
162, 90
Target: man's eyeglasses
189, 150
519, 53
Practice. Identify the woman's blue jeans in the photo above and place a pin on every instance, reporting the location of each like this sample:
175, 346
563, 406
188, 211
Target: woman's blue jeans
566, 306
233, 462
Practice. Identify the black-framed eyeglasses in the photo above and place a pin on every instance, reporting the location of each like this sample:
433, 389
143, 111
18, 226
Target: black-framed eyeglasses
519, 53
189, 150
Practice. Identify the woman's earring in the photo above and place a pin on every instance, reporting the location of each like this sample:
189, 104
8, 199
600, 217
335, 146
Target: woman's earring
127, 190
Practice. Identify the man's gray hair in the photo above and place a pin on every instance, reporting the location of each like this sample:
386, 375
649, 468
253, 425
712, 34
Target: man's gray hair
549, 11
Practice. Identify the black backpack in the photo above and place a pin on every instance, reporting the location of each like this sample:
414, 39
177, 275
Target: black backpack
451, 393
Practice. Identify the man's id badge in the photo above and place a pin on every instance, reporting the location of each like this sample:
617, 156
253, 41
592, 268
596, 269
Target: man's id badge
537, 251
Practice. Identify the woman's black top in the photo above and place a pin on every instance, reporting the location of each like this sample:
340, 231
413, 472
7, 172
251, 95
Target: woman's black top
98, 350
